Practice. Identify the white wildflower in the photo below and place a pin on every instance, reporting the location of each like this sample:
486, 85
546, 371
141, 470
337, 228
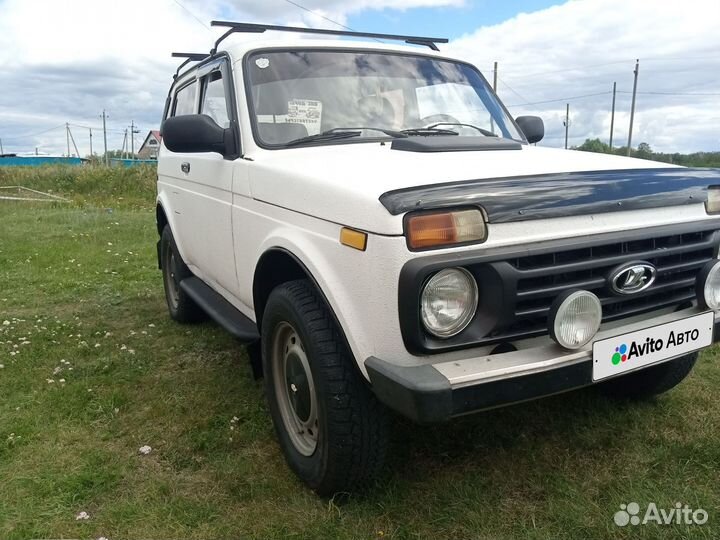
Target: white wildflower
82, 516
145, 450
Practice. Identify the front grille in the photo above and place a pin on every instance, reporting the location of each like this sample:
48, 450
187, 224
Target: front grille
538, 279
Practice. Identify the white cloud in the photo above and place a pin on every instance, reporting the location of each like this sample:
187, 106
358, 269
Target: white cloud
581, 47
66, 61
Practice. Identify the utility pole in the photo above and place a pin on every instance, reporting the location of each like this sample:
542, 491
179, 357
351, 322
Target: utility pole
77, 152
133, 131
1, 148
495, 70
91, 153
612, 116
67, 137
107, 161
567, 123
632, 107
123, 152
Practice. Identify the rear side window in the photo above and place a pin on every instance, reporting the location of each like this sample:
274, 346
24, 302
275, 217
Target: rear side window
214, 102
185, 100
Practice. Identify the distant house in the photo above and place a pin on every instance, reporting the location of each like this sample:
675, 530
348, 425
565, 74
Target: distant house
151, 145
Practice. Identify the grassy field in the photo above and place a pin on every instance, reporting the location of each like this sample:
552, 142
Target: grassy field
92, 369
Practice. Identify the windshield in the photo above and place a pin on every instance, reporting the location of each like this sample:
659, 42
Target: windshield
328, 97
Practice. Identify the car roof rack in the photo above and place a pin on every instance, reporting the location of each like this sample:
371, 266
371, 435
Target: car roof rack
189, 57
260, 28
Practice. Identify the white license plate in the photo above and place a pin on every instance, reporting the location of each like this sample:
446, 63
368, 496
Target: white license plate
631, 351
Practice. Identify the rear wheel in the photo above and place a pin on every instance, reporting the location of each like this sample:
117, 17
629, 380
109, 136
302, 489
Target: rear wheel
650, 381
182, 308
331, 428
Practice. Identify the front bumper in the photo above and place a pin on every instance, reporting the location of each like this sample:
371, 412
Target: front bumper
437, 392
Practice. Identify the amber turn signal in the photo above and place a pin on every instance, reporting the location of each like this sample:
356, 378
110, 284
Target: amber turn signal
437, 229
352, 238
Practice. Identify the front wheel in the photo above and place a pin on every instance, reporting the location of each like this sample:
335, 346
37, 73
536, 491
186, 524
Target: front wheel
331, 428
650, 381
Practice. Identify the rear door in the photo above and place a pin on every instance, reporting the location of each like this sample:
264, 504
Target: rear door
204, 182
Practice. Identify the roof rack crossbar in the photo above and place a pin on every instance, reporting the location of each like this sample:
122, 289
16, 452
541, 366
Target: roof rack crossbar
192, 56
189, 57
260, 28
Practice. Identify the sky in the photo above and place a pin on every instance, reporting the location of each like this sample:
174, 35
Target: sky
66, 62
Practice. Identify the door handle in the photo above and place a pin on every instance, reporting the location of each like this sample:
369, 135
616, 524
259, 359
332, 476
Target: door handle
185, 167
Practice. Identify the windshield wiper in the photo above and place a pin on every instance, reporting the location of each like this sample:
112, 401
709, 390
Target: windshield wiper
429, 131
481, 130
388, 132
324, 136
343, 133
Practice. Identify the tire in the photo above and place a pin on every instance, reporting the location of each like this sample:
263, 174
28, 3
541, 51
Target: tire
331, 427
650, 381
182, 308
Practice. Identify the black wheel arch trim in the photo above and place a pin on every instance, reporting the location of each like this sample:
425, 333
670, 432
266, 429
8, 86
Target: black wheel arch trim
309, 275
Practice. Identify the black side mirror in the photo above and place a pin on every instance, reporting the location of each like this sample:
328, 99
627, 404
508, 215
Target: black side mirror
532, 127
197, 133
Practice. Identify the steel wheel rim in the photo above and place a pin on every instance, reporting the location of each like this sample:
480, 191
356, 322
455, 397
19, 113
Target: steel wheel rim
173, 287
295, 389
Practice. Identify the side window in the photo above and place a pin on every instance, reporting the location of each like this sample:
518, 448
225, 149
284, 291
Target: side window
185, 100
214, 103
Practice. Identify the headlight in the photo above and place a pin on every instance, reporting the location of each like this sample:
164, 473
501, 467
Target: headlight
448, 302
428, 230
575, 318
708, 286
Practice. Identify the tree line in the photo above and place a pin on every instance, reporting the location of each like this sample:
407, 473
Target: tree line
644, 151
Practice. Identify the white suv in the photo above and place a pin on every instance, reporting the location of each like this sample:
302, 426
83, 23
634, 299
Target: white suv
372, 222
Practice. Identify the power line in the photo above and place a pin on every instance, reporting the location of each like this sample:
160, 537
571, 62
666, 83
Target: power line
576, 68
28, 135
673, 93
570, 98
192, 15
518, 94
614, 62
328, 19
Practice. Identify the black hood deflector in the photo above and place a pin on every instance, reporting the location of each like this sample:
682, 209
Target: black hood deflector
521, 198
453, 143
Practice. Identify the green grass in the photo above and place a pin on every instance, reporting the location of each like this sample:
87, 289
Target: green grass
80, 289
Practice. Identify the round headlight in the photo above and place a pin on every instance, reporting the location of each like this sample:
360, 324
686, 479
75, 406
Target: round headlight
448, 302
575, 318
708, 286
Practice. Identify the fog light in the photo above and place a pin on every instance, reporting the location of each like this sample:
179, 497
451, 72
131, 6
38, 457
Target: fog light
448, 302
712, 205
575, 318
708, 286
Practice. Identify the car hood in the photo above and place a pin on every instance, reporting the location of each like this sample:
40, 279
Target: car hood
344, 183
